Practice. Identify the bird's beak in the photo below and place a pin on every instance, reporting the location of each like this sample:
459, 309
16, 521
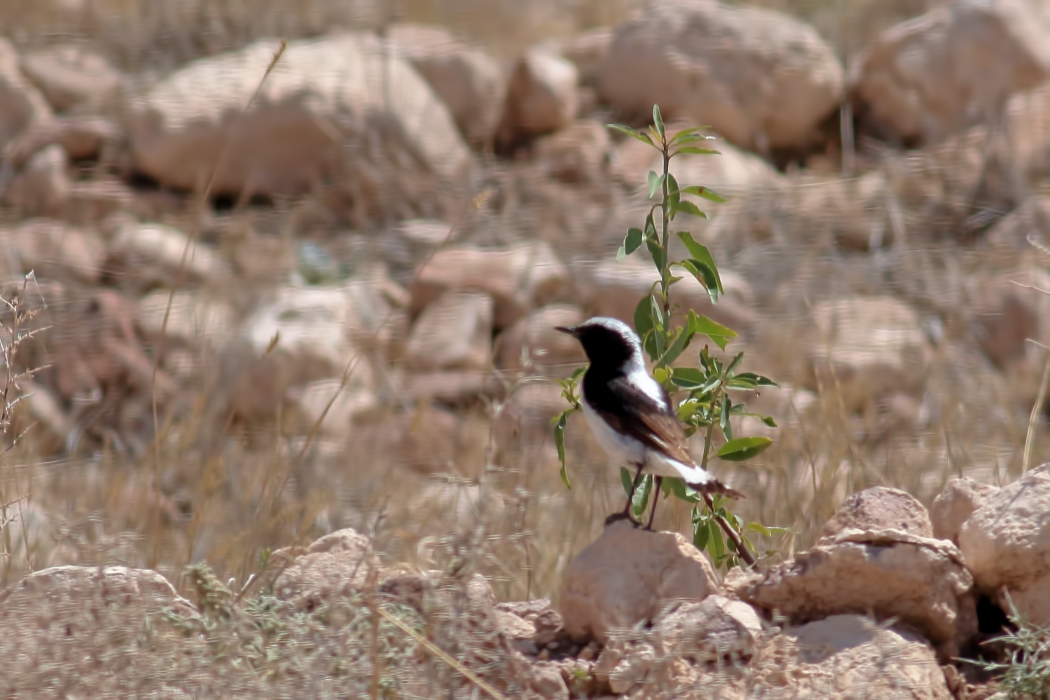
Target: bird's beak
566, 329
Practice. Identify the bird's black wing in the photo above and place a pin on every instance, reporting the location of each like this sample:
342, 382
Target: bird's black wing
632, 412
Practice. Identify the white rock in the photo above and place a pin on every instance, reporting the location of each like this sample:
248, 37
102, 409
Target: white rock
1006, 543
69, 75
869, 346
56, 250
518, 279
628, 576
880, 508
759, 78
955, 504
889, 573
331, 567
195, 318
20, 104
322, 98
453, 332
953, 66
847, 656
153, 253
470, 82
542, 96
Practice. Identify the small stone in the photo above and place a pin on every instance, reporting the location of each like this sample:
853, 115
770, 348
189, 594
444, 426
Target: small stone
880, 508
956, 503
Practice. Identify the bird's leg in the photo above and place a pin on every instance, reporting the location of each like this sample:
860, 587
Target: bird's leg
656, 495
625, 514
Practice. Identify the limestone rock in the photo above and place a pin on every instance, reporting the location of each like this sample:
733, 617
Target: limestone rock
21, 105
713, 628
759, 78
533, 342
542, 96
849, 657
56, 250
53, 618
42, 187
322, 99
616, 287
931, 76
955, 504
1006, 543
79, 137
152, 254
518, 279
453, 332
880, 508
627, 576
587, 51
893, 574
576, 154
196, 319
70, 75
469, 81
870, 346
1005, 315
333, 566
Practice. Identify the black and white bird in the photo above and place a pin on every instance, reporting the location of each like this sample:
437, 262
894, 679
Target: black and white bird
630, 413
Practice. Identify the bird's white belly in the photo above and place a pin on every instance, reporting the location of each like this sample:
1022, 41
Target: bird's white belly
629, 452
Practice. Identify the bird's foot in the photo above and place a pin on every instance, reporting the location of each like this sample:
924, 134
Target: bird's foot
622, 515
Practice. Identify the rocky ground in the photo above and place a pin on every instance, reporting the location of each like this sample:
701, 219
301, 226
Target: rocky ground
262, 296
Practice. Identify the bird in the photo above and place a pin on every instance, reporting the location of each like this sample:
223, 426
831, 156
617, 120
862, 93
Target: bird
630, 413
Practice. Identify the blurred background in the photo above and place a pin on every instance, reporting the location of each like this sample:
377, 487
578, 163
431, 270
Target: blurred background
244, 312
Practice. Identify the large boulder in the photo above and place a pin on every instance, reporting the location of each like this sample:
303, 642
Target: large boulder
627, 576
20, 104
70, 75
333, 566
324, 98
468, 80
72, 625
956, 64
453, 332
849, 657
867, 347
760, 78
1006, 543
869, 568
542, 96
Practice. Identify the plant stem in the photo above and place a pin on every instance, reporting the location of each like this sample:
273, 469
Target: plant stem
665, 273
731, 533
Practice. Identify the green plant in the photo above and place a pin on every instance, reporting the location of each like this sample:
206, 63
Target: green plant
1026, 673
705, 395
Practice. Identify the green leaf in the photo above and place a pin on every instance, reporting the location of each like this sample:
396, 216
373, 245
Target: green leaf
719, 334
688, 378
681, 341
577, 373
759, 528
723, 417
659, 325
704, 274
655, 182
714, 541
690, 138
681, 135
644, 138
627, 480
768, 420
673, 196
698, 151
631, 242
687, 409
742, 449
756, 379
644, 326
559, 443
687, 207
705, 192
657, 253
682, 490
700, 534
732, 365
658, 120
641, 495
